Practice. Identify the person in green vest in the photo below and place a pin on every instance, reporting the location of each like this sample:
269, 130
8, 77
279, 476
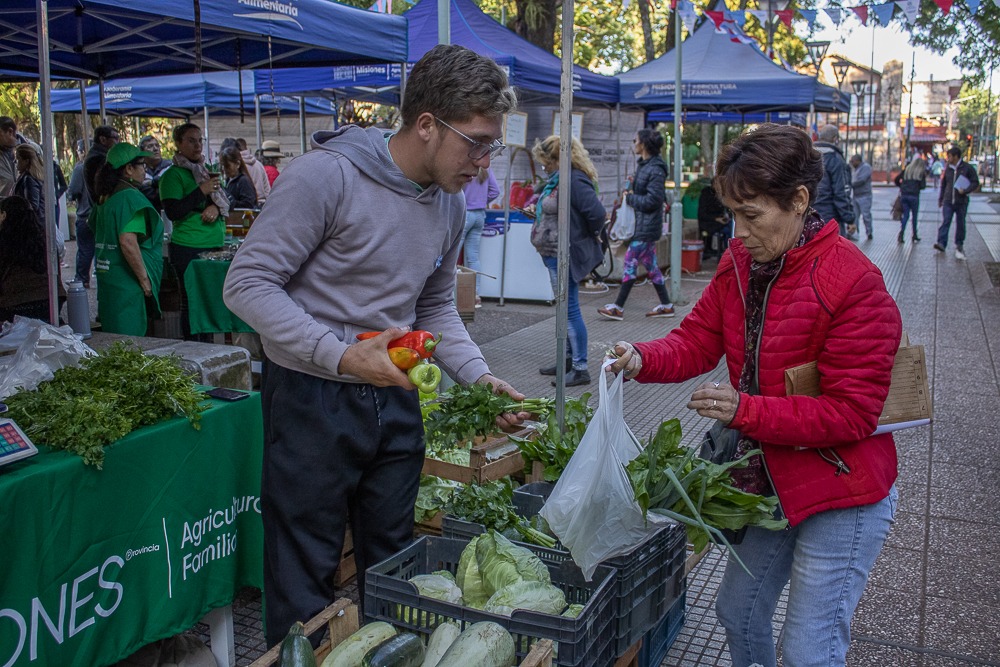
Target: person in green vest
128, 235
192, 198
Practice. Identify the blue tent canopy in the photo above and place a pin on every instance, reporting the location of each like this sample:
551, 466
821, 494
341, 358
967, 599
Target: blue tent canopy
530, 68
731, 118
725, 71
181, 95
113, 38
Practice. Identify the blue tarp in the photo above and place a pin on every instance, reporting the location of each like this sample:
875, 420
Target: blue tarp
114, 38
180, 95
725, 71
530, 68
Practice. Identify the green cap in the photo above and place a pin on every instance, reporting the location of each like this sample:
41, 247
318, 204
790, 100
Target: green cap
122, 153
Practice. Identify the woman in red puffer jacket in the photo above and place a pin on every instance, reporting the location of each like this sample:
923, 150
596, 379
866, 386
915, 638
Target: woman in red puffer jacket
791, 291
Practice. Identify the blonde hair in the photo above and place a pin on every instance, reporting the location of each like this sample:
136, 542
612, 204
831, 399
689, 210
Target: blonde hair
34, 159
916, 170
482, 175
547, 151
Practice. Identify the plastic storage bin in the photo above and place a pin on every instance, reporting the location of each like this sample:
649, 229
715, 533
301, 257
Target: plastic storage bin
658, 641
584, 641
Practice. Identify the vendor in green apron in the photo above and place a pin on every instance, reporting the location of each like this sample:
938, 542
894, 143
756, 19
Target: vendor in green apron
192, 198
128, 236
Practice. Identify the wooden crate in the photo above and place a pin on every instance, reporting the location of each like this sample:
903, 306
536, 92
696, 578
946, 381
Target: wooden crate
348, 569
342, 619
481, 468
694, 558
631, 657
429, 527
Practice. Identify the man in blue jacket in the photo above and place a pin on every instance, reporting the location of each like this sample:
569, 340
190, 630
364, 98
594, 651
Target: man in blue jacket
957, 180
833, 194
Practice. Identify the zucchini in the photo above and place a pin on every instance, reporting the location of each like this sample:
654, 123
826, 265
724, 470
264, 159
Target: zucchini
296, 651
403, 650
484, 644
441, 640
352, 650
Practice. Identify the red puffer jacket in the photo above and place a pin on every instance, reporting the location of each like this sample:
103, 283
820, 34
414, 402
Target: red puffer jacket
828, 304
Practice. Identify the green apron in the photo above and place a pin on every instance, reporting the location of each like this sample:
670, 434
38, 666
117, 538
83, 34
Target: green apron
121, 305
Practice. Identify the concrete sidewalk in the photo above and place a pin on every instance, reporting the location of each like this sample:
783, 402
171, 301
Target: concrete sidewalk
934, 597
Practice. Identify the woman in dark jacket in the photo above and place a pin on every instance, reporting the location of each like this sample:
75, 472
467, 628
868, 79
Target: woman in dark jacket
911, 181
587, 217
646, 197
239, 185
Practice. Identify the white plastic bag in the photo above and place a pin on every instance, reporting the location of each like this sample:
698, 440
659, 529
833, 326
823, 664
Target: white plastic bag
42, 350
592, 509
624, 227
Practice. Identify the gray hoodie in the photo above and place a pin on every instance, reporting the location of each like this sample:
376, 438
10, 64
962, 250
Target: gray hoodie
345, 244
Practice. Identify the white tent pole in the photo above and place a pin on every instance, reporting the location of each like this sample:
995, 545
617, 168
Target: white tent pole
302, 125
100, 101
84, 120
565, 178
676, 208
208, 142
444, 21
257, 123
45, 109
618, 146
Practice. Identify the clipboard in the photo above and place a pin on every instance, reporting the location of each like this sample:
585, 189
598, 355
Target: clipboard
909, 401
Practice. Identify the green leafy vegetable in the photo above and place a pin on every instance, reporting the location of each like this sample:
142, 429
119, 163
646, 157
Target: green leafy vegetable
433, 495
531, 595
438, 587
491, 504
465, 412
552, 447
83, 409
501, 563
469, 578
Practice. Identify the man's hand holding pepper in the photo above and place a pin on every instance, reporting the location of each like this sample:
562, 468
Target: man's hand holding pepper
369, 360
508, 421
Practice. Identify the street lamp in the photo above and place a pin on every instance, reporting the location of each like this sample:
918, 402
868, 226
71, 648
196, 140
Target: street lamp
840, 67
889, 90
817, 51
872, 92
859, 90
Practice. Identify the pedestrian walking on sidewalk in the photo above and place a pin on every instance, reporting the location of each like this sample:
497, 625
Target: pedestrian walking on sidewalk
911, 181
825, 303
861, 184
957, 180
833, 193
646, 196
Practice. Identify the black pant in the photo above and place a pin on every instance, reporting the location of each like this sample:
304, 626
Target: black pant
180, 257
333, 452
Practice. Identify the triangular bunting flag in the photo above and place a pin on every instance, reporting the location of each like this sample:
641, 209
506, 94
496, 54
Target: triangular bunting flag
884, 12
836, 14
785, 15
739, 17
626, 3
862, 12
685, 9
973, 6
910, 8
760, 14
945, 5
809, 15
717, 19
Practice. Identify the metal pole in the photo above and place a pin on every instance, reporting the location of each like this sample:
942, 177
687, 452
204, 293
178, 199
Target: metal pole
909, 113
676, 209
444, 24
256, 117
100, 101
84, 120
618, 146
45, 109
506, 227
871, 103
302, 125
208, 142
565, 176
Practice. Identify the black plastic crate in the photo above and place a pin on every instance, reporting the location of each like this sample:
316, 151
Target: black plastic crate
658, 641
587, 640
529, 498
650, 577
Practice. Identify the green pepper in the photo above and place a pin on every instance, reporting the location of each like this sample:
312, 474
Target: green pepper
425, 376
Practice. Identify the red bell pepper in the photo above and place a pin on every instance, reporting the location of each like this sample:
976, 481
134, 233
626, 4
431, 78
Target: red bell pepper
423, 342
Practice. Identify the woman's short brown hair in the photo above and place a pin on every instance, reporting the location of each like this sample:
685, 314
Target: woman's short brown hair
769, 160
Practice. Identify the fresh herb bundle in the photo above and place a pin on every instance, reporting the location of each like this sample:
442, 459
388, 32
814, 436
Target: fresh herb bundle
464, 412
433, 495
671, 480
492, 505
83, 409
550, 446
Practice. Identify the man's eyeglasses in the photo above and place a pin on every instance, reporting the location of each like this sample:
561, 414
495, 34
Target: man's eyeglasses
479, 149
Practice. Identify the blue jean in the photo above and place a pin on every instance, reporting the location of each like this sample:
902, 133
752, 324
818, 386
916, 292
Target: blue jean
471, 238
863, 211
958, 210
84, 251
577, 329
827, 558
910, 204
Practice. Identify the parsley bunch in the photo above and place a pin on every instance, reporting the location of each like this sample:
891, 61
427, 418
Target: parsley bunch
552, 447
83, 409
464, 412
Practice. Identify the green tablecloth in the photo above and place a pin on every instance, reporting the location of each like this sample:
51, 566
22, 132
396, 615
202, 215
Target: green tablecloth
207, 313
100, 563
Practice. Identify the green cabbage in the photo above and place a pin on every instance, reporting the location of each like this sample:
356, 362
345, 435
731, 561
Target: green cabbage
573, 611
502, 563
531, 595
469, 578
438, 587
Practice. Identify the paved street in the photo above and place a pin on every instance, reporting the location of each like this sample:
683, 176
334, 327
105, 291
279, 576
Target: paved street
934, 597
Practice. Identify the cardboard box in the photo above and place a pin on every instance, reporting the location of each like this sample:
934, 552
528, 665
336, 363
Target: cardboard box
465, 293
909, 400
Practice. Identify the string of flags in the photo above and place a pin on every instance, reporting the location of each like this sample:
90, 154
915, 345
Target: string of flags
880, 14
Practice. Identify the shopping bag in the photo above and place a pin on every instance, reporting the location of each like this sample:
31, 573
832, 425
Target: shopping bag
592, 509
624, 227
897, 208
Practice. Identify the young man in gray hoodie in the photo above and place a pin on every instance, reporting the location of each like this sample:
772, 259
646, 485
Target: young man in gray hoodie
362, 233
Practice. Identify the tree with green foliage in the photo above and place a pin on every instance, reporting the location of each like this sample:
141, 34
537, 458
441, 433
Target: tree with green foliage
976, 36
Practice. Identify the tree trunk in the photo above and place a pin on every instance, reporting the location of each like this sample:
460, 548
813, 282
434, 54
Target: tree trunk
669, 43
536, 22
706, 146
647, 30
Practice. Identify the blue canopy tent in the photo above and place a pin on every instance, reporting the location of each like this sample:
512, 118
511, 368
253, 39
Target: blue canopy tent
725, 71
181, 95
731, 117
534, 71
